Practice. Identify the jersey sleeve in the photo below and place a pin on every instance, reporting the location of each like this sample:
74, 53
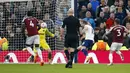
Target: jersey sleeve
49, 33
64, 23
111, 29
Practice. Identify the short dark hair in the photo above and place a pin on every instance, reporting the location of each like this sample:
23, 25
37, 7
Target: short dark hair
85, 22
117, 21
29, 13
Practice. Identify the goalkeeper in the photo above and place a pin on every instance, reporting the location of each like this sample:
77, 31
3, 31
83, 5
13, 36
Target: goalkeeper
43, 31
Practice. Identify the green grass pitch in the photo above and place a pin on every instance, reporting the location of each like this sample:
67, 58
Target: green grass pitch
60, 68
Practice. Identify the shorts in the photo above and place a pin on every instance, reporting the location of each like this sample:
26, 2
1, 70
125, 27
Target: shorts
33, 40
71, 41
87, 43
44, 45
116, 46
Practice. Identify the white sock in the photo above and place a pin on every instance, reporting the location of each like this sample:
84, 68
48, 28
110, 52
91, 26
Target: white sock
30, 51
111, 58
39, 53
119, 53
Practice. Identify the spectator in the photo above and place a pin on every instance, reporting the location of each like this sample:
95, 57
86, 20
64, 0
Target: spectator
120, 15
64, 7
7, 12
100, 8
110, 2
29, 5
38, 13
96, 33
113, 8
9, 29
127, 38
100, 19
90, 19
49, 21
82, 13
46, 7
95, 4
1, 15
126, 19
128, 7
110, 21
89, 8
22, 9
106, 12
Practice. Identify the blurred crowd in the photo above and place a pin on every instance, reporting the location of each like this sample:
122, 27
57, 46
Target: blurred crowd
12, 14
101, 14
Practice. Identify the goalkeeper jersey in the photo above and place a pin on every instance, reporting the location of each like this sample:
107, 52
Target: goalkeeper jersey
43, 32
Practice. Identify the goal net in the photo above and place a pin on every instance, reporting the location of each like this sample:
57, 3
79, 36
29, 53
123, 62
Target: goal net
12, 13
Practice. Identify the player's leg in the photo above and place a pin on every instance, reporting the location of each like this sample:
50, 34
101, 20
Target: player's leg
87, 44
118, 51
112, 49
66, 45
73, 43
29, 41
37, 46
66, 53
44, 45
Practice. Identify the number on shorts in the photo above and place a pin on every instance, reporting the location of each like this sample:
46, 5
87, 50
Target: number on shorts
119, 32
31, 24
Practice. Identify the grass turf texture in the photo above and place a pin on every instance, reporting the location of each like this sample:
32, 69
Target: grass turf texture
60, 68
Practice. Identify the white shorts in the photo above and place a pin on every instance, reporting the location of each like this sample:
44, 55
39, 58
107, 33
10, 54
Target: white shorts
116, 46
33, 40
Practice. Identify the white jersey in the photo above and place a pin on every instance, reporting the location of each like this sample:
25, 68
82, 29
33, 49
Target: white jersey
89, 33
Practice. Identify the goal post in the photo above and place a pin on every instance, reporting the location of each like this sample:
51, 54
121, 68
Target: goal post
12, 13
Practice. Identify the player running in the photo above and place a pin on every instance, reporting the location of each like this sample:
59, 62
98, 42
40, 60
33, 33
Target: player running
118, 38
89, 39
33, 37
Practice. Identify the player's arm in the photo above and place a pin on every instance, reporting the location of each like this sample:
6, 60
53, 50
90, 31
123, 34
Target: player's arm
108, 32
84, 29
49, 33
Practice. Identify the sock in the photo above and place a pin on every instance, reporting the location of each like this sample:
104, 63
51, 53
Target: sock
30, 51
85, 52
39, 53
66, 53
111, 58
120, 54
71, 57
49, 55
75, 58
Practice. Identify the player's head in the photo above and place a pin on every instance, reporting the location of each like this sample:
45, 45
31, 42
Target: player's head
84, 22
29, 13
70, 12
117, 21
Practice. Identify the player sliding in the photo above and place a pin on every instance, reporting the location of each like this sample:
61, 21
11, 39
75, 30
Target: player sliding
118, 37
88, 34
33, 37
